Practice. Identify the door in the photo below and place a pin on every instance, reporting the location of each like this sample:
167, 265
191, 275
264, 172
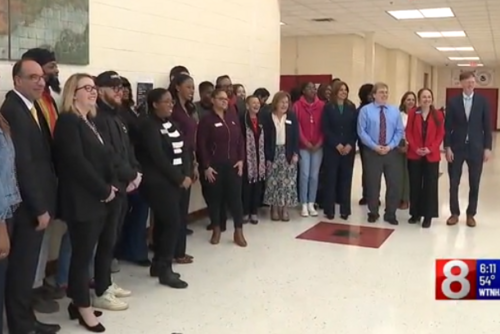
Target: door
490, 94
289, 82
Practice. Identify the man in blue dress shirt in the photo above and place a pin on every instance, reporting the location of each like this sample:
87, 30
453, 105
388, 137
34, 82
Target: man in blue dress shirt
380, 129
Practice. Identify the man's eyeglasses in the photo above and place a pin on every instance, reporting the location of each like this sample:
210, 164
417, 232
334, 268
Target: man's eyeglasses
87, 88
34, 78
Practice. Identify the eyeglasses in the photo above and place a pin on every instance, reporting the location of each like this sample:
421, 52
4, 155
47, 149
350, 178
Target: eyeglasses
87, 88
117, 89
34, 78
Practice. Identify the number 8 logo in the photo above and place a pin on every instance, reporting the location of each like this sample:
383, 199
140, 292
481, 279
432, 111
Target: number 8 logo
451, 278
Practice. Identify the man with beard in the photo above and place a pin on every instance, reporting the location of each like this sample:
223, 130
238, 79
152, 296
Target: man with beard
114, 131
44, 295
237, 104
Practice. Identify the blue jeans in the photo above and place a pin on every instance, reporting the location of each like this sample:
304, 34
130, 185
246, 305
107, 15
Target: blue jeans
309, 164
63, 261
133, 244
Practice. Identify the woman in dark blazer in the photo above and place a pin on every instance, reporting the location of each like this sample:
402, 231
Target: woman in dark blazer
424, 134
281, 148
166, 168
86, 188
339, 123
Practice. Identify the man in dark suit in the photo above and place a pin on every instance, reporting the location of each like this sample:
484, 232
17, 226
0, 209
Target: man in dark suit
38, 186
467, 139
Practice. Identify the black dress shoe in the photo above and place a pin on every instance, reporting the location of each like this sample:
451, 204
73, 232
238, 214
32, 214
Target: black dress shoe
46, 328
330, 216
427, 223
74, 314
373, 217
344, 217
414, 220
392, 221
169, 278
189, 231
362, 201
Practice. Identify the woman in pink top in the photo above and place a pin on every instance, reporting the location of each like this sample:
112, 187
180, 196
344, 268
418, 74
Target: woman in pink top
308, 110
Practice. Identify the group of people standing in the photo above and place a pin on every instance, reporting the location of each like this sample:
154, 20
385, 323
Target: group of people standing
403, 144
100, 164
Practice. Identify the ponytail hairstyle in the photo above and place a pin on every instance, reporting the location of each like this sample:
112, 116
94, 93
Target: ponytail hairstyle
177, 81
433, 111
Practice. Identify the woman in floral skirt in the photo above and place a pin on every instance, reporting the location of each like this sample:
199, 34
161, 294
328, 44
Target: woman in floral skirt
281, 145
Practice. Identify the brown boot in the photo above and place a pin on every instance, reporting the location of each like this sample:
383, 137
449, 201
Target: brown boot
216, 232
239, 238
284, 214
275, 215
471, 222
453, 220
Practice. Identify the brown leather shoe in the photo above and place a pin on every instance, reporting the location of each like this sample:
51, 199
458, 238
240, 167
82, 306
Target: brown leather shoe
275, 214
216, 233
453, 220
284, 214
239, 238
471, 222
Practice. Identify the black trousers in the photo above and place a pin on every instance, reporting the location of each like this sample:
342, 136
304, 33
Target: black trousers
181, 244
423, 178
225, 192
84, 237
25, 248
252, 196
121, 220
475, 165
165, 202
338, 181
106, 246
205, 193
362, 150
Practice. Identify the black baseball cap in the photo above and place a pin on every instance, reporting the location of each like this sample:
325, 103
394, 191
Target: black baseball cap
108, 79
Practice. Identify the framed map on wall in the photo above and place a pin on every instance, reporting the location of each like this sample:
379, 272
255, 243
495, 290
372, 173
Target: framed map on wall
59, 25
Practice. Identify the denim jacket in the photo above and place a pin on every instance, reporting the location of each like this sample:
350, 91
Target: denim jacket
9, 191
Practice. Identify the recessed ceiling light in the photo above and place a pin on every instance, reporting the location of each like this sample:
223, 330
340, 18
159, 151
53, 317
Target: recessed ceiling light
437, 13
461, 48
453, 33
430, 13
463, 58
440, 34
470, 65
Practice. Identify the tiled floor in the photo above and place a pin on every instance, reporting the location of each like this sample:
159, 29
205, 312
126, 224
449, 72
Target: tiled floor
282, 285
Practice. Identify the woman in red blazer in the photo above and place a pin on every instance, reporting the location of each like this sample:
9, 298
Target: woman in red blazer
424, 133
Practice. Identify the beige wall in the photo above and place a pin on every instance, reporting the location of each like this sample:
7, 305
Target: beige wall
344, 56
142, 40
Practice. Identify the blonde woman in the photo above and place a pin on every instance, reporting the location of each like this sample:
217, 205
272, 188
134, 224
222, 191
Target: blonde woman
86, 190
281, 147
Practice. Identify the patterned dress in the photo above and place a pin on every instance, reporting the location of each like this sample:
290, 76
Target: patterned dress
281, 182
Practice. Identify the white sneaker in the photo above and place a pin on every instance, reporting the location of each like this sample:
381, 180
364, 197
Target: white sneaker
108, 301
312, 210
305, 211
119, 292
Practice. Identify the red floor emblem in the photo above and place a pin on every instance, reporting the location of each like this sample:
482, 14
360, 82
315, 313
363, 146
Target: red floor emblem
362, 236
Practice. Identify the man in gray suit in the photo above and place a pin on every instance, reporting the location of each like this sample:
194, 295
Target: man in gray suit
467, 139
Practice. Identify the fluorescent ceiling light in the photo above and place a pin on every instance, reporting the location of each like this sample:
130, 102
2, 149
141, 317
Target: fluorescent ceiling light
461, 48
282, 23
463, 58
437, 13
470, 65
440, 34
431, 13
